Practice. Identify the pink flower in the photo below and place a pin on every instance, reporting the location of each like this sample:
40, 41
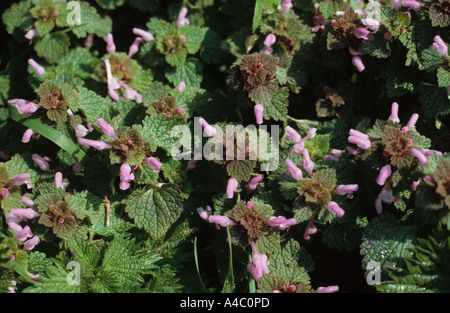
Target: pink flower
5, 192
59, 181
441, 47
96, 144
232, 187
411, 123
357, 62
311, 229
361, 33
134, 48
360, 139
292, 134
40, 162
110, 46
181, 86
31, 34
152, 162
220, 220
385, 172
285, 6
209, 130
281, 222
130, 93
39, 70
106, 128
259, 264
31, 243
416, 184
307, 162
27, 135
144, 34
125, 176
348, 190
293, 170
396, 4
193, 162
333, 207
204, 214
22, 214
300, 145
24, 234
268, 42
24, 107
80, 130
412, 5
259, 113
394, 113
420, 156
384, 196
329, 289
19, 180
27, 202
113, 83
254, 183
182, 20
372, 23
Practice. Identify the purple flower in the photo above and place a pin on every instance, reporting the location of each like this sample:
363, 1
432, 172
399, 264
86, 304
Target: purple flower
5, 192
31, 243
268, 42
96, 144
40, 162
24, 234
22, 214
19, 180
300, 145
125, 176
292, 134
333, 207
285, 6
396, 4
24, 107
39, 70
394, 113
357, 62
134, 48
220, 220
384, 196
385, 172
412, 5
329, 289
232, 187
152, 162
130, 93
254, 183
144, 34
209, 130
311, 229
416, 184
110, 46
372, 23
259, 112
293, 170
348, 190
281, 222
27, 135
181, 86
27, 202
259, 264
420, 156
441, 47
31, 34
360, 139
361, 33
204, 214
307, 162
182, 20
106, 128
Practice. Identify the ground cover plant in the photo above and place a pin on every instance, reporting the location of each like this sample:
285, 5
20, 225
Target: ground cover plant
268, 146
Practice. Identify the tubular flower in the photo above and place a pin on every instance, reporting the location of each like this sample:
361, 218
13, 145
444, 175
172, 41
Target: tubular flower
285, 6
311, 229
181, 86
394, 113
300, 145
412, 5
209, 130
125, 176
40, 162
110, 46
281, 222
348, 190
420, 156
385, 172
39, 70
219, 220
232, 187
441, 47
143, 34
106, 128
319, 20
371, 23
307, 162
254, 183
329, 289
152, 162
360, 139
259, 264
27, 135
357, 62
292, 134
182, 20
333, 207
24, 107
134, 48
293, 170
268, 42
384, 196
59, 181
259, 112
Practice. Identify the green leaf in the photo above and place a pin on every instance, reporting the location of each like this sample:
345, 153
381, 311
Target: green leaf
177, 58
92, 22
261, 7
93, 106
379, 47
18, 16
155, 209
434, 99
194, 37
277, 108
52, 47
443, 76
241, 169
190, 72
211, 50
